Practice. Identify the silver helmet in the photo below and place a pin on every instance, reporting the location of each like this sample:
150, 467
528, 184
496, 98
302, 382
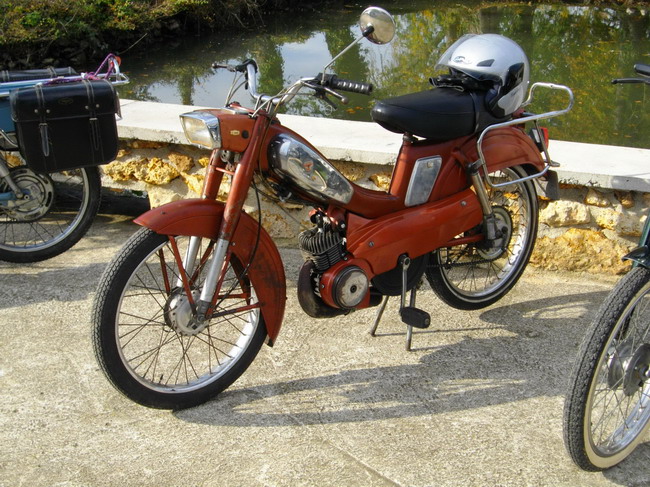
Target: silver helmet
495, 58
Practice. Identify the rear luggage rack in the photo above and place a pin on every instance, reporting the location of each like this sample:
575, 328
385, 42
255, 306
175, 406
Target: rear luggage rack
108, 70
528, 118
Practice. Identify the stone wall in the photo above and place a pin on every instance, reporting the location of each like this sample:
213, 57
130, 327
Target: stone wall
587, 229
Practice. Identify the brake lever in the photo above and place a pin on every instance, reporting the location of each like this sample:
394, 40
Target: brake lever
321, 94
342, 98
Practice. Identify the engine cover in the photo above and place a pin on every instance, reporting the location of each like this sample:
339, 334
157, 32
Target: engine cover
349, 287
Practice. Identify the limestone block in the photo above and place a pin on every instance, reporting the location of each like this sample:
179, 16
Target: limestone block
582, 250
382, 179
194, 182
351, 170
624, 224
596, 198
12, 159
625, 198
134, 169
563, 213
146, 144
159, 195
182, 162
224, 189
646, 200
277, 225
159, 172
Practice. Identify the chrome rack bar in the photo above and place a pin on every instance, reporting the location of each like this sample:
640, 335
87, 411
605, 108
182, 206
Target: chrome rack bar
530, 118
116, 78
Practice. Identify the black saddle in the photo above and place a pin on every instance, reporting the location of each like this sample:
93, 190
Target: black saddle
438, 114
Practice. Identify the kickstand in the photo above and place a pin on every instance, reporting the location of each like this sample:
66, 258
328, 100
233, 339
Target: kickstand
380, 313
410, 315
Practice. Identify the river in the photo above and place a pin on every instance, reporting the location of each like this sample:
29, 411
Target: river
583, 47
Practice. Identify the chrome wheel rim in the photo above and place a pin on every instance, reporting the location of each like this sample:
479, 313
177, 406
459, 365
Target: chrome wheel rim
156, 343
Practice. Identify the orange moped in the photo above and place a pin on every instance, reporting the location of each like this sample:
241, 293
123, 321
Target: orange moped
185, 306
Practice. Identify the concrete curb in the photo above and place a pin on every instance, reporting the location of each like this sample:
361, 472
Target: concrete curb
621, 168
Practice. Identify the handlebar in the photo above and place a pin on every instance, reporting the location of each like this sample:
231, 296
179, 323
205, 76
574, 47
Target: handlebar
323, 84
336, 83
642, 69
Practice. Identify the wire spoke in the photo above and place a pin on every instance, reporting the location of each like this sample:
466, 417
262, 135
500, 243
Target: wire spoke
163, 343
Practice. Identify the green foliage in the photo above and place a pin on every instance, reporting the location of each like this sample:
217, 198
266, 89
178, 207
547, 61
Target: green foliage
26, 21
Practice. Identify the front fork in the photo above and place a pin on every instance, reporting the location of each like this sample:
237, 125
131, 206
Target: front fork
242, 179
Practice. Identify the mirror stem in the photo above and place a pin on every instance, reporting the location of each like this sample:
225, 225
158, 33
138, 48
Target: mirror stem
353, 43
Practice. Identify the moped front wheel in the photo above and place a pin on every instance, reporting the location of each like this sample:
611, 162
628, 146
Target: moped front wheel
145, 336
475, 275
607, 408
57, 210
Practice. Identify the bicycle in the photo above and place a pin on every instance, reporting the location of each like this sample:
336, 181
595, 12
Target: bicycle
43, 213
607, 408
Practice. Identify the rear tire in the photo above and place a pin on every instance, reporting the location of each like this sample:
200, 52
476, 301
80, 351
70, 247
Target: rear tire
62, 209
142, 329
473, 276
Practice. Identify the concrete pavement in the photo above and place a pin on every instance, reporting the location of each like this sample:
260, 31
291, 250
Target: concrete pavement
478, 402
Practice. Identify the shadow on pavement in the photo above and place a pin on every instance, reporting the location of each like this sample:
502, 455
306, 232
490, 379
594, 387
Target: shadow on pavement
472, 373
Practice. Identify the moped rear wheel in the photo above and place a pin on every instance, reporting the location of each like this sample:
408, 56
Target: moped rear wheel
476, 275
607, 408
58, 210
144, 337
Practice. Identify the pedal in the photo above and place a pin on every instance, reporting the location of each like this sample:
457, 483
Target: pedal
415, 317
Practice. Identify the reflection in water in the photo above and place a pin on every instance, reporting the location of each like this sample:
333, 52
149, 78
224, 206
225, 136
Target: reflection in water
582, 47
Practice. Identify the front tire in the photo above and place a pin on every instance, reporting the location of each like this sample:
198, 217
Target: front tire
142, 329
607, 407
474, 276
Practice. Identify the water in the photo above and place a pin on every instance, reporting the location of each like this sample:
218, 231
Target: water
579, 46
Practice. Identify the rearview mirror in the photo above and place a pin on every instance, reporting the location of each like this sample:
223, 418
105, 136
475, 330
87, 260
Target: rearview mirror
377, 25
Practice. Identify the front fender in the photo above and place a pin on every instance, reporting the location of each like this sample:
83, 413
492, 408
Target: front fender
202, 218
639, 256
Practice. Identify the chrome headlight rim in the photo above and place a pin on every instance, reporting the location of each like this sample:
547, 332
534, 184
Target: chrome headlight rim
202, 128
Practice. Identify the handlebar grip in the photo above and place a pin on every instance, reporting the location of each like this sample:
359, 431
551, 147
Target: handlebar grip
336, 83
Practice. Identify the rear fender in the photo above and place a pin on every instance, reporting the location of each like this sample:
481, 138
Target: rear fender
508, 147
202, 218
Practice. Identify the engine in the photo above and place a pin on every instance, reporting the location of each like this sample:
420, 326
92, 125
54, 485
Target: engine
324, 247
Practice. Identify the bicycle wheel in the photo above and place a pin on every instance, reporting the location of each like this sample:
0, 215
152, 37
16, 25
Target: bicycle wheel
607, 407
59, 209
145, 338
475, 275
